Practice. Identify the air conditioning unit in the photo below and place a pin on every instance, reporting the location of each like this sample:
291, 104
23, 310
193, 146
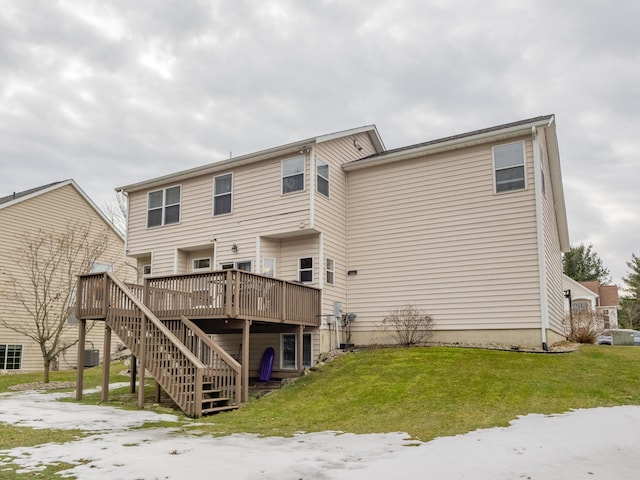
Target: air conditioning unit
91, 358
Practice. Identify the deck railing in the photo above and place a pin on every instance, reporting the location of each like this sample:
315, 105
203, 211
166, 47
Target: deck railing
222, 371
233, 294
175, 368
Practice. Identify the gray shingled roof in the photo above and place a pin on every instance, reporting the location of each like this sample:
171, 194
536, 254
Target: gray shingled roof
16, 195
456, 137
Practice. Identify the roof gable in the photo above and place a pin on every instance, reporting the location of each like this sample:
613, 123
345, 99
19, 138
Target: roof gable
26, 195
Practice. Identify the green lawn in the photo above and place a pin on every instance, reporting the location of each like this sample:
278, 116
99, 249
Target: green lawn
427, 392
431, 392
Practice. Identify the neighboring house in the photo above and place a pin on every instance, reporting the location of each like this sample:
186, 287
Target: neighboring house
593, 296
49, 208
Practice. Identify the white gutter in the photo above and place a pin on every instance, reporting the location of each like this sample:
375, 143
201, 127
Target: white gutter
312, 187
542, 264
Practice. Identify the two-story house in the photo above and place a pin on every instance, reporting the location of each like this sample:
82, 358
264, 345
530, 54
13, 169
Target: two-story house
51, 209
469, 228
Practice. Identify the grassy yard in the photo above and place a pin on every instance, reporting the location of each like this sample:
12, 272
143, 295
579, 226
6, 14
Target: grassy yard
427, 392
431, 392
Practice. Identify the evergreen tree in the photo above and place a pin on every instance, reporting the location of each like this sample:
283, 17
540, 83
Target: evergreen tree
583, 264
633, 279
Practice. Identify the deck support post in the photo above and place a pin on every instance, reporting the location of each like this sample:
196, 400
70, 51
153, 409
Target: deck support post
158, 391
300, 353
143, 347
133, 371
245, 359
82, 333
106, 362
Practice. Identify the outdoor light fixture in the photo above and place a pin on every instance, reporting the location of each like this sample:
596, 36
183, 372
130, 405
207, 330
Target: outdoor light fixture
234, 248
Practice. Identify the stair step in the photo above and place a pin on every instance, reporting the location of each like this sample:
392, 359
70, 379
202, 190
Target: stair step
206, 411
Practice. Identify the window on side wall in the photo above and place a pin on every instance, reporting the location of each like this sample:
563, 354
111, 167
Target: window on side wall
330, 271
269, 267
10, 357
222, 194
163, 207
289, 351
292, 175
322, 180
508, 164
305, 269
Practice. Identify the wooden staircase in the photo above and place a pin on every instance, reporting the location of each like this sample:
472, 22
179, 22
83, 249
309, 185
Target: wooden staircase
198, 375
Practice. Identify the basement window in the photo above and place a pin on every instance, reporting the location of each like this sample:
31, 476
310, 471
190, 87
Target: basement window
289, 351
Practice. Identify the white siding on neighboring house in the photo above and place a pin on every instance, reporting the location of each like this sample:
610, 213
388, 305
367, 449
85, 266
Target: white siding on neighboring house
432, 232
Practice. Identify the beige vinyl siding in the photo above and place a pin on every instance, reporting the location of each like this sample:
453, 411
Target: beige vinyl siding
259, 209
52, 211
553, 254
432, 232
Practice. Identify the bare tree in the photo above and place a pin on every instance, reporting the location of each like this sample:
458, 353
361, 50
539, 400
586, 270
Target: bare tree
409, 325
43, 284
117, 212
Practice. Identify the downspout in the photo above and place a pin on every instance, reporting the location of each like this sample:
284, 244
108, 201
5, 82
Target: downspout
312, 187
542, 265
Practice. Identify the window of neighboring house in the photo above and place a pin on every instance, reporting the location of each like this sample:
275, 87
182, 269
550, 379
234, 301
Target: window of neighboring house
200, 264
305, 269
222, 193
580, 305
330, 271
269, 267
244, 265
292, 175
508, 163
97, 267
289, 350
163, 207
10, 357
322, 170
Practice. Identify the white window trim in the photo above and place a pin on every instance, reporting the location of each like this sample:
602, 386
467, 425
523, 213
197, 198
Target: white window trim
144, 275
234, 264
164, 206
21, 345
524, 166
333, 271
264, 266
295, 336
201, 269
300, 270
282, 176
213, 209
328, 195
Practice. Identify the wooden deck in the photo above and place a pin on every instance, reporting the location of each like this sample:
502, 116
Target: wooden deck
154, 322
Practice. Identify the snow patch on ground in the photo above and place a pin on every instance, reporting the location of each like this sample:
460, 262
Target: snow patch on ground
600, 443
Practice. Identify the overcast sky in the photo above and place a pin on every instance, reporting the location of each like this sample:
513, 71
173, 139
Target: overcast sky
114, 92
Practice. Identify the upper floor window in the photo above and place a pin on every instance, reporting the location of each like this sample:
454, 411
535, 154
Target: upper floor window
322, 170
508, 163
305, 269
292, 175
163, 207
222, 192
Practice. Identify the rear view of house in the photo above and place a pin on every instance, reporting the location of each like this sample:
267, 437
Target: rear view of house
276, 248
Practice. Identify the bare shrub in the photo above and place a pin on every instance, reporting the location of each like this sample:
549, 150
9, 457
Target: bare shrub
409, 325
583, 325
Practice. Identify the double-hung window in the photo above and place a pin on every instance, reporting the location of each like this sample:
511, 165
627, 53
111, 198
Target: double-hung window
10, 357
330, 271
305, 269
508, 164
292, 175
322, 177
163, 207
222, 194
